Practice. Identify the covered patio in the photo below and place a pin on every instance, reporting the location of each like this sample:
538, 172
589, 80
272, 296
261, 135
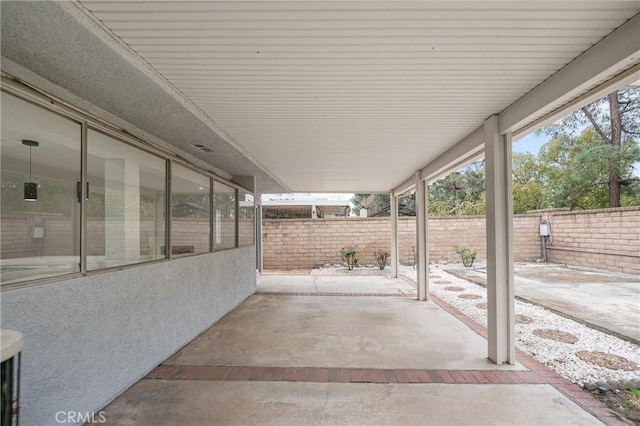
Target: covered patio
277, 97
366, 352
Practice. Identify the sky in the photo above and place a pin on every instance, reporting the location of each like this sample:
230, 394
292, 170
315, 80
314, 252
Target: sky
530, 143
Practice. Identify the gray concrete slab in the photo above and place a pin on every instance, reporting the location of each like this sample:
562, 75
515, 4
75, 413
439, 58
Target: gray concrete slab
197, 386
167, 402
335, 284
337, 331
608, 301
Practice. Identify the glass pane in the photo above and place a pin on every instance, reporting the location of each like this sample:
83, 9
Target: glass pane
40, 238
225, 219
190, 212
246, 219
125, 209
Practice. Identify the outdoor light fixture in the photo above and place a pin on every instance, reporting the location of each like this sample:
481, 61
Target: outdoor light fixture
30, 188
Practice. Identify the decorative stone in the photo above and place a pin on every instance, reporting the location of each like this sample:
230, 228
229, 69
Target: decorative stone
628, 384
469, 296
557, 335
590, 386
614, 384
442, 282
523, 319
607, 360
454, 288
482, 305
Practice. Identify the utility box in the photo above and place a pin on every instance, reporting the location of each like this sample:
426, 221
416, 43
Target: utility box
544, 229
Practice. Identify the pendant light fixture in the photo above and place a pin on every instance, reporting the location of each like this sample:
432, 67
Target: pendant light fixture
30, 188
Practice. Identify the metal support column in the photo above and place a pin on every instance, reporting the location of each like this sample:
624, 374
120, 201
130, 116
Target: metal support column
422, 247
500, 289
393, 204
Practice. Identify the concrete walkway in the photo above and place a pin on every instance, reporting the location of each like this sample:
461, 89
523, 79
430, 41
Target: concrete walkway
348, 350
606, 301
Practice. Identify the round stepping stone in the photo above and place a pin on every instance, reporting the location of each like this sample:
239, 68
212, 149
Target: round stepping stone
482, 305
557, 335
607, 360
523, 319
442, 282
469, 296
454, 288
435, 276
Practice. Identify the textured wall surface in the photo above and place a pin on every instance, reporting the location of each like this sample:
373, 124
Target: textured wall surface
604, 239
303, 243
88, 339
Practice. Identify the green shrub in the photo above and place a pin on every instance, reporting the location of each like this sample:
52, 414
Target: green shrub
350, 256
467, 255
382, 257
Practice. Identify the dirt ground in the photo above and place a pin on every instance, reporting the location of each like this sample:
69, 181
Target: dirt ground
624, 402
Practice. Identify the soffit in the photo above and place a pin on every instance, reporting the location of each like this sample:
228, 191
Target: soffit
352, 96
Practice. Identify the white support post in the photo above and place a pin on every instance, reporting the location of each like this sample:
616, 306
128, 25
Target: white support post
259, 249
500, 288
422, 248
393, 206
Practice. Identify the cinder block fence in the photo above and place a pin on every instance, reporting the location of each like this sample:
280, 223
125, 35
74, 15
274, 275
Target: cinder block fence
604, 239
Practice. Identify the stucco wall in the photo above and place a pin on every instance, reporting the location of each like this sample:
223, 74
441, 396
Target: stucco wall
88, 339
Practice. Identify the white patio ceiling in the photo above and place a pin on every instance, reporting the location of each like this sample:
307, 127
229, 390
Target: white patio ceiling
353, 96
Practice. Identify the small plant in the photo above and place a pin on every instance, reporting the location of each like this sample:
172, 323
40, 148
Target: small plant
350, 256
467, 255
382, 256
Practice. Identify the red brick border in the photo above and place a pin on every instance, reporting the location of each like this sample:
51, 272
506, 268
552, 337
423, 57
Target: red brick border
301, 293
339, 375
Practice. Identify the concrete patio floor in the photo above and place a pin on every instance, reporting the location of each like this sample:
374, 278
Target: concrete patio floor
300, 351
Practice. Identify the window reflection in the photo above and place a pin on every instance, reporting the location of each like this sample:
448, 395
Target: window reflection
190, 212
225, 218
246, 219
40, 238
125, 207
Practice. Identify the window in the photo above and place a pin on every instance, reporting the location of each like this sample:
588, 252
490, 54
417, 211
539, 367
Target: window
126, 203
190, 211
246, 219
225, 218
125, 209
40, 237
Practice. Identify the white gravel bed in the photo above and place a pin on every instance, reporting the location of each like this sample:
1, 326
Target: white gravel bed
559, 356
357, 271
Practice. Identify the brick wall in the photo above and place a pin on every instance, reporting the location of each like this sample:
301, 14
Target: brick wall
303, 243
604, 239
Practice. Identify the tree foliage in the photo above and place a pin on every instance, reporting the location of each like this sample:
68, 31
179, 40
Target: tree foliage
614, 125
588, 163
374, 203
459, 193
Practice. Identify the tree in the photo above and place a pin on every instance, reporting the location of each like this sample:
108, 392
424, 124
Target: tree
615, 120
576, 170
527, 183
459, 193
374, 203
